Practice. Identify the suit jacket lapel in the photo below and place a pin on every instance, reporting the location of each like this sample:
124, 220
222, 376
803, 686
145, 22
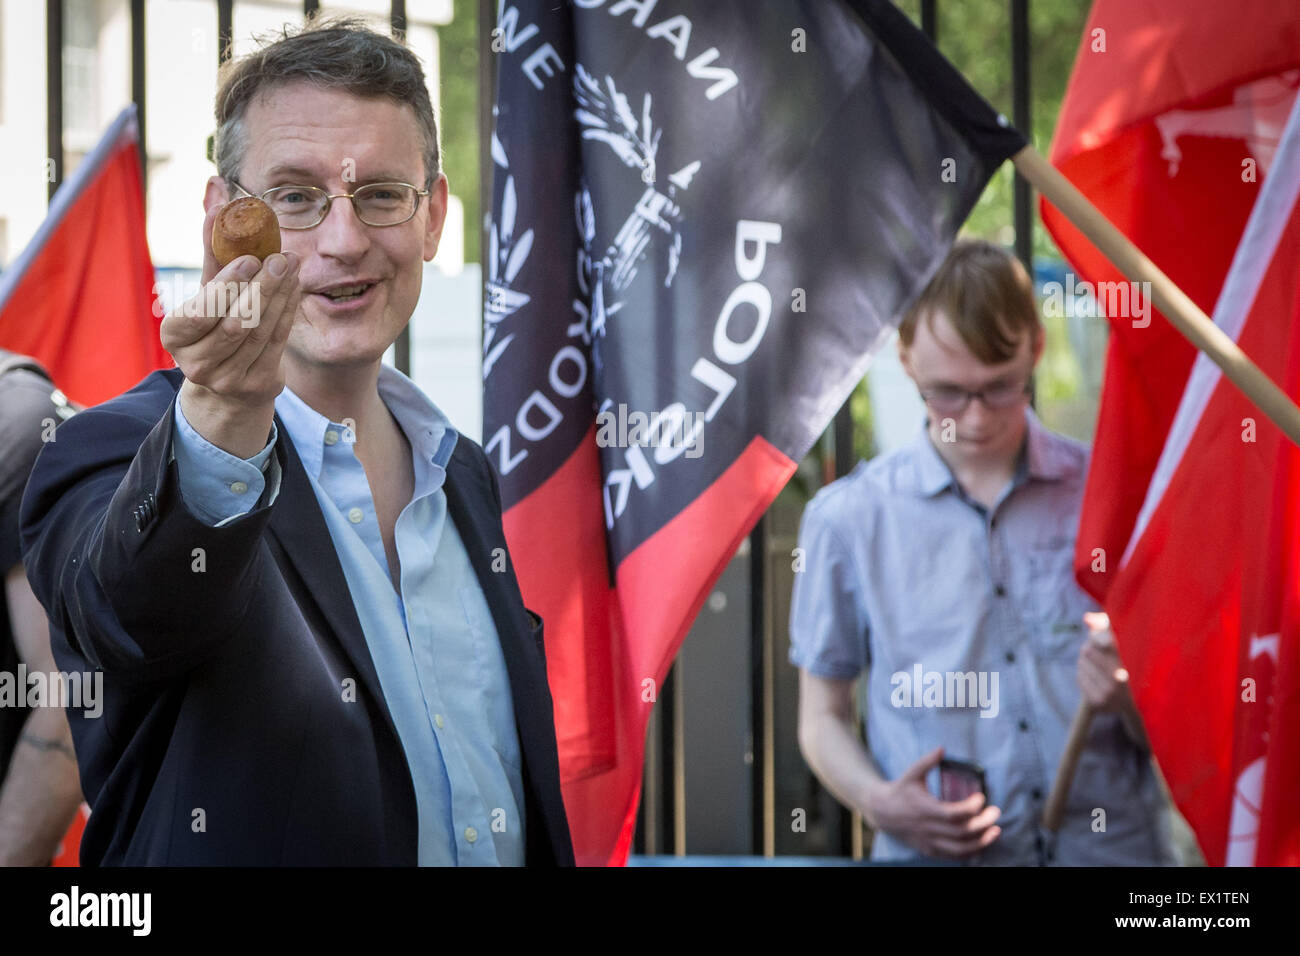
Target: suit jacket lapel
299, 527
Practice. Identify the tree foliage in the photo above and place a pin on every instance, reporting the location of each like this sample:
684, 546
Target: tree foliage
975, 35
458, 66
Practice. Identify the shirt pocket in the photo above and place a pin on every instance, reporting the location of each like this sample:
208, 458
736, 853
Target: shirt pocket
1057, 604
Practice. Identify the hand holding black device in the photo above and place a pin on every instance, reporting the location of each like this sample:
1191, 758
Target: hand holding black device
958, 779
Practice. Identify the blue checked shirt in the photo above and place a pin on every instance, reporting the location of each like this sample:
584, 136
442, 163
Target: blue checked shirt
434, 645
906, 577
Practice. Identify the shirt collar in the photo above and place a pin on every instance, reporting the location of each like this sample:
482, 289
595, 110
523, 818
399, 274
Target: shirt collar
1041, 459
430, 433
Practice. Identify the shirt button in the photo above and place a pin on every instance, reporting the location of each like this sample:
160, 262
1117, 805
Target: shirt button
1036, 794
355, 516
238, 487
1023, 725
1000, 591
471, 834
331, 437
437, 719
1011, 657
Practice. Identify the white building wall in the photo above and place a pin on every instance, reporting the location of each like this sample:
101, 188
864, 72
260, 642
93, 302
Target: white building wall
22, 124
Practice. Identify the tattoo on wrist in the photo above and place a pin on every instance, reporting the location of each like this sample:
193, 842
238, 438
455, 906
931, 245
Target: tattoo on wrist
47, 744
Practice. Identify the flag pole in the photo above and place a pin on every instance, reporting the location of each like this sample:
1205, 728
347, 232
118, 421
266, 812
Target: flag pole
1054, 809
1172, 302
1188, 319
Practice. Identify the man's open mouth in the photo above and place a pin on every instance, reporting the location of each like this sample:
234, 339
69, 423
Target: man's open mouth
346, 293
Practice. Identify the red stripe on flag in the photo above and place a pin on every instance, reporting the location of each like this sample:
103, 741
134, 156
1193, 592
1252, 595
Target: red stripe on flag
663, 583
557, 542
603, 647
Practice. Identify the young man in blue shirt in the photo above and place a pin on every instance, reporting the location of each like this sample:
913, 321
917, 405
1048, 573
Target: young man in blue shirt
941, 574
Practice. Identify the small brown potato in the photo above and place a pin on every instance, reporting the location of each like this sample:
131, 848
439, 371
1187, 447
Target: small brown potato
244, 227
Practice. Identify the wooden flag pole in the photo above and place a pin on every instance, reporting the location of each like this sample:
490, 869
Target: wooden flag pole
1195, 326
1054, 810
1172, 302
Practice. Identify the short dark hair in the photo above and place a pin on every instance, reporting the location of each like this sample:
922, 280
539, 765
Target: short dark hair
336, 53
986, 295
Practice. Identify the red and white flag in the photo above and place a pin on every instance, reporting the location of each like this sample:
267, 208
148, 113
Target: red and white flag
80, 297
1205, 600
1170, 124
1204, 595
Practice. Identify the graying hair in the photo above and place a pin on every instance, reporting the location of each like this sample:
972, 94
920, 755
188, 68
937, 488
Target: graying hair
339, 53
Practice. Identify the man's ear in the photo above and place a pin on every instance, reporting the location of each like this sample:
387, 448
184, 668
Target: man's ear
437, 200
215, 193
1040, 342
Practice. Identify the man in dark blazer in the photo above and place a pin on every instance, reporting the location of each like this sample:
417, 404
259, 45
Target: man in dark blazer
289, 566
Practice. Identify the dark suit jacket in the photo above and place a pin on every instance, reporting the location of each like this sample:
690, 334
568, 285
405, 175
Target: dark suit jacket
226, 737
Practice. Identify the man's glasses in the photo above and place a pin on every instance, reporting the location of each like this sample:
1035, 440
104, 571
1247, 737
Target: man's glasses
376, 204
951, 400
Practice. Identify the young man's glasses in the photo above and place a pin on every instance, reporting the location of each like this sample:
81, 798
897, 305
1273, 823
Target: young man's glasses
951, 400
376, 204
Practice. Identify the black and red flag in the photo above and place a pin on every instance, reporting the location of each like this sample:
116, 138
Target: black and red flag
706, 218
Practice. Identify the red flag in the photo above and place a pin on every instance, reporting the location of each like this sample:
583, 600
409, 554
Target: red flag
69, 849
80, 298
1170, 123
1204, 603
623, 640
1265, 824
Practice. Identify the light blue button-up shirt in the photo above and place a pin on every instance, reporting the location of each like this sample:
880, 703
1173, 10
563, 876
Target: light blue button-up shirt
968, 624
434, 645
